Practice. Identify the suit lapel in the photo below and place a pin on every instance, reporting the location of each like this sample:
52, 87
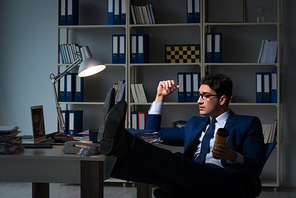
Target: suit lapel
231, 120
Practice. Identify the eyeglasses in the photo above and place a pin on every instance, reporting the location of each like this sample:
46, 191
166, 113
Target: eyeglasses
205, 96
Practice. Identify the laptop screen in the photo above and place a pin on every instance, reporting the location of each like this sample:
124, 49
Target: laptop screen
39, 134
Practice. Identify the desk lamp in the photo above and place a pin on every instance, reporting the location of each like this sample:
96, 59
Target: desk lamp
88, 67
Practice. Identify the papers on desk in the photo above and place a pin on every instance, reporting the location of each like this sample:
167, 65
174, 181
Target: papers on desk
9, 143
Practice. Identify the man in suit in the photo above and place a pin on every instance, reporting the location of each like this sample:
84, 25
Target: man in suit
195, 171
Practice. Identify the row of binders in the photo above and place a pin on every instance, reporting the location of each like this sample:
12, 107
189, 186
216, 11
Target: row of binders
270, 132
193, 11
268, 52
189, 83
116, 12
119, 90
213, 48
69, 53
71, 88
138, 93
138, 119
68, 12
143, 14
139, 48
266, 87
73, 120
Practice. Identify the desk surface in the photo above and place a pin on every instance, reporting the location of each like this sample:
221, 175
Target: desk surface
54, 153
49, 165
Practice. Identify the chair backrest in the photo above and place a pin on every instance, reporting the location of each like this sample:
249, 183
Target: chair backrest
268, 148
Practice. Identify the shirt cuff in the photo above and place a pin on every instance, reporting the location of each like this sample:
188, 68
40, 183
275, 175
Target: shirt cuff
155, 108
239, 160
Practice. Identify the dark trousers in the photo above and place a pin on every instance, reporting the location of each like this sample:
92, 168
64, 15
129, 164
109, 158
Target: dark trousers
174, 173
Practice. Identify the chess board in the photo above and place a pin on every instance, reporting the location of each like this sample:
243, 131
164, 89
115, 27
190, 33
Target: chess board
182, 53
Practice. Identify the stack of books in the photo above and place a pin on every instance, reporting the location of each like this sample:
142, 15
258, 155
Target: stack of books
268, 52
9, 143
143, 14
69, 53
138, 93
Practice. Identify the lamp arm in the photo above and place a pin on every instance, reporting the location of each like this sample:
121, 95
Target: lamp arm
54, 79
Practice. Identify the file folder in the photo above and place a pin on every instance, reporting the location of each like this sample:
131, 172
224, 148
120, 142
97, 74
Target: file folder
209, 48
62, 89
217, 47
143, 48
121, 58
189, 9
72, 12
115, 46
63, 12
181, 83
65, 114
196, 18
188, 89
266, 87
134, 48
274, 87
259, 78
75, 122
79, 85
69, 87
134, 120
123, 12
195, 86
141, 119
110, 9
116, 19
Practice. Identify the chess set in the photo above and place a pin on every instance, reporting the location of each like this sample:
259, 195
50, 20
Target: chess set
182, 53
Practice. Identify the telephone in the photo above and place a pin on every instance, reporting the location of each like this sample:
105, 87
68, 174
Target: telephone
73, 147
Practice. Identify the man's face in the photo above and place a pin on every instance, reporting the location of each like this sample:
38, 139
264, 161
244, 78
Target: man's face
210, 105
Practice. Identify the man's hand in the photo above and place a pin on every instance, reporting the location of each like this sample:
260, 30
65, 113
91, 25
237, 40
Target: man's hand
164, 89
224, 151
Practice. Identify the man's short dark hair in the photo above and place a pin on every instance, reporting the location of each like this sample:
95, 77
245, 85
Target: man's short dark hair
220, 83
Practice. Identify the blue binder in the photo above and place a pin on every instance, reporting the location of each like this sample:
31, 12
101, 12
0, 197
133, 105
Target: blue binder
209, 48
195, 86
134, 48
259, 87
121, 58
72, 12
115, 46
75, 122
143, 48
65, 114
123, 12
274, 87
62, 89
110, 10
134, 120
188, 87
196, 18
189, 9
266, 87
62, 12
116, 16
79, 87
217, 47
69, 87
181, 90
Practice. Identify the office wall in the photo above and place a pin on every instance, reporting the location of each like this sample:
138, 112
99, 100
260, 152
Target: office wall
28, 37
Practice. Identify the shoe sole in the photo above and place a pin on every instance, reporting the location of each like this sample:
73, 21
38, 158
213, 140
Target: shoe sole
109, 102
114, 120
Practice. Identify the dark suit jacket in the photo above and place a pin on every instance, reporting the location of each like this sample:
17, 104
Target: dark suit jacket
245, 137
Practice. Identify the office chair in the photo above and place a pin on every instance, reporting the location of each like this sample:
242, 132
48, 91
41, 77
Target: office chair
251, 176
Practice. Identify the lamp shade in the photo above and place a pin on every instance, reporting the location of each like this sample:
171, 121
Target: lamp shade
89, 65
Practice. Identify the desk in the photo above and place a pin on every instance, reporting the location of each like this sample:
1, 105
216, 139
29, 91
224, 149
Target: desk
44, 166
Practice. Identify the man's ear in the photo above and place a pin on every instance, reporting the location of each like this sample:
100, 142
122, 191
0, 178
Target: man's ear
222, 100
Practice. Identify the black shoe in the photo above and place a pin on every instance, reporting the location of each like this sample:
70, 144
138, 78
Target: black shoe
109, 102
113, 142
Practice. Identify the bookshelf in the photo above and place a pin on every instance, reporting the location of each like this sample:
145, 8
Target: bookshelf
241, 44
